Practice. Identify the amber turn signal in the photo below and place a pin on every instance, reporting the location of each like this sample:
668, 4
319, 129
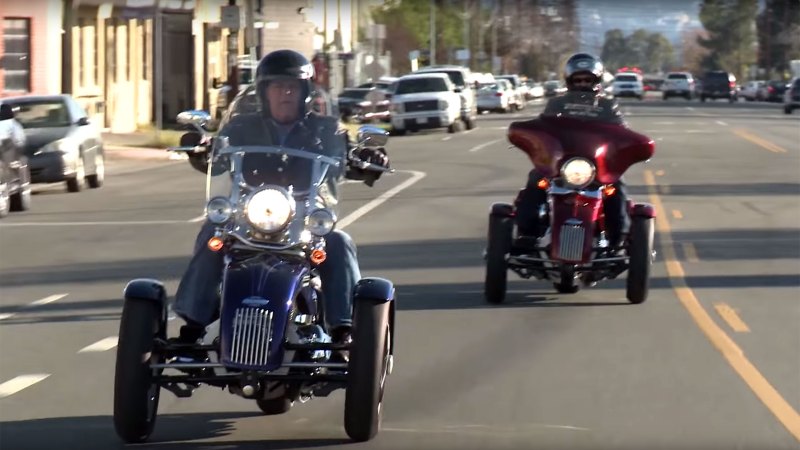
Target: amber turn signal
215, 244
544, 183
609, 190
318, 256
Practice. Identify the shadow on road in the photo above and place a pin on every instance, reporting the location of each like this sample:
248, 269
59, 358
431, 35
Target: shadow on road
172, 431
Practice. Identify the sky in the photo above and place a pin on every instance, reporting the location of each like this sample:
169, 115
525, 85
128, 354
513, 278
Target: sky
669, 17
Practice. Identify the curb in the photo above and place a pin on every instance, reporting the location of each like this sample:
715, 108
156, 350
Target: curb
140, 153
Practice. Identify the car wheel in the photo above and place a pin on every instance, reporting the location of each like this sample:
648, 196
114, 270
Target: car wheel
96, 180
75, 184
399, 131
21, 200
5, 206
787, 109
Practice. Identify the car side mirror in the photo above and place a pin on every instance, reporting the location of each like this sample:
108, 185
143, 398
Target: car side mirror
457, 90
6, 112
83, 121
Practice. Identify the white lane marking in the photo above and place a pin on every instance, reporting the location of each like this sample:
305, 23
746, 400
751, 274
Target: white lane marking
689, 108
663, 123
377, 201
198, 219
5, 316
101, 346
470, 131
484, 145
722, 123
48, 299
447, 138
19, 383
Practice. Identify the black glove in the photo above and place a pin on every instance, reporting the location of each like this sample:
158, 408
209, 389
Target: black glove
371, 155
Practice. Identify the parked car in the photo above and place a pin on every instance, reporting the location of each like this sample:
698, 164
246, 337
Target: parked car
62, 145
425, 100
678, 84
15, 186
497, 96
791, 97
750, 90
461, 77
553, 88
772, 91
628, 84
363, 104
719, 84
519, 91
535, 89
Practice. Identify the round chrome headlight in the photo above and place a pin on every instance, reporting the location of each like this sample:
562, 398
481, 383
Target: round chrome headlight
321, 222
219, 210
578, 172
269, 210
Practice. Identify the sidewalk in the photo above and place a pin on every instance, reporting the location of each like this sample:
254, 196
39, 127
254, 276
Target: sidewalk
135, 146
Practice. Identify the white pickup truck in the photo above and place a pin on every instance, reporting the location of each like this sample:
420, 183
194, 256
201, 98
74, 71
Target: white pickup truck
425, 100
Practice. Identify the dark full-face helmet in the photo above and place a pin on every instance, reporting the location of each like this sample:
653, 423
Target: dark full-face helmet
281, 65
584, 72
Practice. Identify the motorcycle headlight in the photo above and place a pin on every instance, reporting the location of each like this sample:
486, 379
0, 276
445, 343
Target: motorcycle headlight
269, 210
219, 210
578, 172
321, 222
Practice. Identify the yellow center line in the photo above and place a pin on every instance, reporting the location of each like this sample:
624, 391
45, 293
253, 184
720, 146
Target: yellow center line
760, 386
759, 141
689, 252
677, 214
730, 316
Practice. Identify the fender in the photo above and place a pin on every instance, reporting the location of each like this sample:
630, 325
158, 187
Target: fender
146, 289
380, 290
263, 284
502, 209
643, 210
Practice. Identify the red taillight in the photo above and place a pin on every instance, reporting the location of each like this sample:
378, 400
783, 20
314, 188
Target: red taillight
732, 84
771, 89
498, 94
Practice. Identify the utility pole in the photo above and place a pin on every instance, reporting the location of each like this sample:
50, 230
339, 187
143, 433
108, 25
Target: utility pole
432, 37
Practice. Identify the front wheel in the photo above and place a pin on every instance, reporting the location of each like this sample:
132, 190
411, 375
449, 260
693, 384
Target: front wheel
367, 370
640, 251
135, 393
499, 245
274, 406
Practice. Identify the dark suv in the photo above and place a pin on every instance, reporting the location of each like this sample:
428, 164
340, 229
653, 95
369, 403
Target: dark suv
719, 84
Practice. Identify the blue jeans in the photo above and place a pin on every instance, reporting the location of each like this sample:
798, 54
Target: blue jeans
197, 299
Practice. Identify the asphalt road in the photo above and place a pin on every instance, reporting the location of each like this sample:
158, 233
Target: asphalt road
711, 360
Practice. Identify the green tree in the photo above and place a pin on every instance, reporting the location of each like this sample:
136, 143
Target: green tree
731, 40
651, 52
659, 55
778, 36
614, 49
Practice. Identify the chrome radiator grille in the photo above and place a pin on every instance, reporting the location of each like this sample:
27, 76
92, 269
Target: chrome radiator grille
570, 247
252, 334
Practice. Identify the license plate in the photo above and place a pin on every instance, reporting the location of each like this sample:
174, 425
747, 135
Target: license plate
422, 120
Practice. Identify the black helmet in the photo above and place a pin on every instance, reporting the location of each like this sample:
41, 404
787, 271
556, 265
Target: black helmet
584, 63
282, 64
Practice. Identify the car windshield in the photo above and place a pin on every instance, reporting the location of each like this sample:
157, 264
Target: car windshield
455, 76
41, 114
676, 76
417, 85
354, 93
551, 84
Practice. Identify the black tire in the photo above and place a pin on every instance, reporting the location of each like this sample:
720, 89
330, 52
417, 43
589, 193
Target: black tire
5, 200
702, 99
98, 177
75, 184
135, 394
20, 200
367, 370
274, 406
469, 123
498, 246
567, 284
787, 109
399, 131
453, 127
640, 251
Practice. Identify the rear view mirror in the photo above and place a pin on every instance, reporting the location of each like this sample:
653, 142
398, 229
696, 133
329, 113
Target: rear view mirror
83, 121
371, 136
194, 117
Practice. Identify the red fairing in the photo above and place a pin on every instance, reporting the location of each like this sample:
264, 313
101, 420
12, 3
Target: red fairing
551, 141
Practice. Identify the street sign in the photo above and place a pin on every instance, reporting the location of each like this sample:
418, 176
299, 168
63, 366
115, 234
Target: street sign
413, 54
462, 54
230, 17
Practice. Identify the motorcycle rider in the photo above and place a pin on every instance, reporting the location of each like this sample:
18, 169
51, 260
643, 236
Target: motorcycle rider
284, 115
584, 99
